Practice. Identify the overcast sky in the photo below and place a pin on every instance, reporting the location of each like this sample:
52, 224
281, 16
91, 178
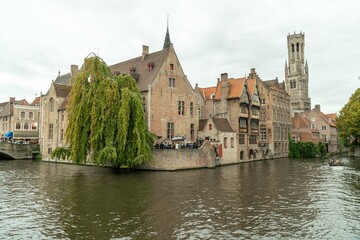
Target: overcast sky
40, 37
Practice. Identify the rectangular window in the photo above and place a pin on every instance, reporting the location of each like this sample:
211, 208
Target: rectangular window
323, 127
192, 132
225, 142
243, 123
51, 130
191, 108
181, 106
244, 109
254, 124
49, 150
241, 139
62, 134
62, 115
144, 103
170, 130
263, 133
255, 111
253, 139
172, 82
232, 142
171, 66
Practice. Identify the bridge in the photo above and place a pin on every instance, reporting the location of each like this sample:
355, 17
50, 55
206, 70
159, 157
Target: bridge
18, 151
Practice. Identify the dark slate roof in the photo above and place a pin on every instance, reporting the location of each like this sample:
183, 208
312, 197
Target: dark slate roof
143, 74
202, 124
63, 79
222, 124
3, 104
62, 90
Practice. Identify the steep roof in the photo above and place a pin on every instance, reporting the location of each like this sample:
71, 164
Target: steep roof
145, 74
236, 87
6, 111
251, 83
202, 124
63, 79
222, 124
62, 90
299, 122
65, 103
36, 101
328, 120
218, 91
207, 92
21, 102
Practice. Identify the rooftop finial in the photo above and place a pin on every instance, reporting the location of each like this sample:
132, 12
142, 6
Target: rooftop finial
167, 42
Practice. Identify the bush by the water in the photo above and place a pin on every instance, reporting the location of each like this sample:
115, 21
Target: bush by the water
306, 149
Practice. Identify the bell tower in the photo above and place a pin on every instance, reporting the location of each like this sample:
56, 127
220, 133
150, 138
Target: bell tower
297, 74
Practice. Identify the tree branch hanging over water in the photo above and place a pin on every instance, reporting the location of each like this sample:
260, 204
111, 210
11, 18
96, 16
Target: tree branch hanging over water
106, 118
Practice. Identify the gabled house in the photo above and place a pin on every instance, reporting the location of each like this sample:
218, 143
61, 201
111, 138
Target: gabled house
274, 119
326, 127
169, 101
222, 137
302, 130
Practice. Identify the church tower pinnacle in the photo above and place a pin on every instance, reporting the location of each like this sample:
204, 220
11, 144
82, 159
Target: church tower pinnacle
167, 41
297, 74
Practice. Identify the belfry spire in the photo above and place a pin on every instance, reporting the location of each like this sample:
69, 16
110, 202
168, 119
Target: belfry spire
167, 42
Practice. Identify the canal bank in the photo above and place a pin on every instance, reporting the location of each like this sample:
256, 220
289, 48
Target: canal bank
178, 159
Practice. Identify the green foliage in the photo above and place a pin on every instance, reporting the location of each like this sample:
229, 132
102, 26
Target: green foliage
61, 153
106, 118
306, 149
348, 121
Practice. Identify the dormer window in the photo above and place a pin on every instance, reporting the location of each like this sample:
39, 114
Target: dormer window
151, 66
171, 67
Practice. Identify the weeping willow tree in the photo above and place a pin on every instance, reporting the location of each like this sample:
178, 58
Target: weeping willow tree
106, 118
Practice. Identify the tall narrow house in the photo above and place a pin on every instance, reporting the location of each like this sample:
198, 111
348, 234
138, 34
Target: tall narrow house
297, 74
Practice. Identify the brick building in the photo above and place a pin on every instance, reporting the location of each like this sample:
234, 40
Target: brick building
274, 119
171, 109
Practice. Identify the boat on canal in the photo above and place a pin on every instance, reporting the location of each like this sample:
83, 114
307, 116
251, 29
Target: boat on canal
336, 162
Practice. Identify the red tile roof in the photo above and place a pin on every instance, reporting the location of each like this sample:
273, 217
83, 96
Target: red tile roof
236, 87
207, 92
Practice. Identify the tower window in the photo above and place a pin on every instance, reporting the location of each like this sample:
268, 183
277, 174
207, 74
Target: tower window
297, 47
292, 47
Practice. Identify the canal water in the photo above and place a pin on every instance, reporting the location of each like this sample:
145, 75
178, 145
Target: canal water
274, 199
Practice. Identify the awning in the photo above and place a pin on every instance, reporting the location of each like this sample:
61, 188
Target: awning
178, 139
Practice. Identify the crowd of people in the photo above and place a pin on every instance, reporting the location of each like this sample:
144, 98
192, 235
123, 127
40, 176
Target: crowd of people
176, 145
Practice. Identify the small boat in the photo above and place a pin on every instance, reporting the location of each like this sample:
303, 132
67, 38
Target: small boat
336, 162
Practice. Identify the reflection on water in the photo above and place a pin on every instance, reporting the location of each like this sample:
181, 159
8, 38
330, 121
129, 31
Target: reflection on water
271, 199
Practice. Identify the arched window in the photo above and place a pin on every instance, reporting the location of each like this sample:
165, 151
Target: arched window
242, 155
26, 126
297, 47
18, 126
292, 47
31, 115
251, 154
22, 115
51, 104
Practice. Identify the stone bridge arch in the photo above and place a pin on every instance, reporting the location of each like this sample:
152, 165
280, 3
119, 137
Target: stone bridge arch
18, 151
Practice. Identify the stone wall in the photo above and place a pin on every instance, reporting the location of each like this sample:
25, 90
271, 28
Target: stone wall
179, 159
19, 151
354, 151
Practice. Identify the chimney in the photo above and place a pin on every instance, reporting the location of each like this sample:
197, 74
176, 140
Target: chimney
12, 100
145, 51
74, 69
317, 107
224, 76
